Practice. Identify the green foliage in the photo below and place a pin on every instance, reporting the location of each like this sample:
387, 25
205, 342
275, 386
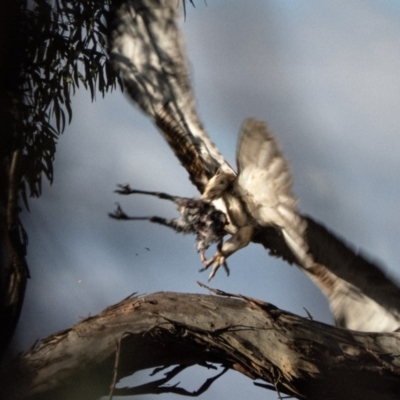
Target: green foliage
65, 46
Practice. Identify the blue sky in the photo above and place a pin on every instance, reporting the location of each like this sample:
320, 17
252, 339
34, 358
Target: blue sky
324, 75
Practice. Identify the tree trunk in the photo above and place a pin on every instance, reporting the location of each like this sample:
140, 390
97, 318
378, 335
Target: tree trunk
13, 268
297, 356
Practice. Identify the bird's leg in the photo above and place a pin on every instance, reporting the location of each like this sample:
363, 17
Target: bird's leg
175, 223
218, 259
126, 189
240, 239
201, 249
203, 257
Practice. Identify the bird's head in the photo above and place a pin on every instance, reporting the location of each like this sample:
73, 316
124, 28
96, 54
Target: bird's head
217, 185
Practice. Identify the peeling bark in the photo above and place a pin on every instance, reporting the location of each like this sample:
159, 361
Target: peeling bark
299, 357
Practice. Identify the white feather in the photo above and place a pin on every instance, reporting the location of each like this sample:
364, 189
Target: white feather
264, 184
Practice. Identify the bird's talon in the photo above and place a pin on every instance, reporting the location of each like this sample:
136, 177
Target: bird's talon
218, 260
226, 268
203, 258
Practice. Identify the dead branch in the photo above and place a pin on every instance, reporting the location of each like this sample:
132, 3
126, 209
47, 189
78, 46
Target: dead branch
299, 357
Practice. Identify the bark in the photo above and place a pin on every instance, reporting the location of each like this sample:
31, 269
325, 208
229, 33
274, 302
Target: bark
299, 357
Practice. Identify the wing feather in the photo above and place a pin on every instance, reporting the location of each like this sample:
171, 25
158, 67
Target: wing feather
147, 51
265, 185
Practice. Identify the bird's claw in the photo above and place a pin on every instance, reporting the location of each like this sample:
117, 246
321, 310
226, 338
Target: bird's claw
218, 259
203, 257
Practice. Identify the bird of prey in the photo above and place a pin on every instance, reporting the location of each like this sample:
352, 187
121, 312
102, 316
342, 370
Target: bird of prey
197, 217
259, 195
146, 50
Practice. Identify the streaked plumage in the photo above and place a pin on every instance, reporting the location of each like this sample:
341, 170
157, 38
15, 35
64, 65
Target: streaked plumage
146, 50
197, 217
260, 195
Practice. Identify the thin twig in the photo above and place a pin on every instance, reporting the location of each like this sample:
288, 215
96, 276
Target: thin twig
156, 388
308, 314
116, 364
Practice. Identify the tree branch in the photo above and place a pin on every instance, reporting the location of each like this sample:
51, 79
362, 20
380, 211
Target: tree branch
301, 358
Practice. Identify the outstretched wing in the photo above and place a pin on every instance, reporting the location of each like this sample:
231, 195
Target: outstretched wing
361, 296
265, 184
146, 49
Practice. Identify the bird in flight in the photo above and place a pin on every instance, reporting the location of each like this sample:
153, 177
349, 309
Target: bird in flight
197, 217
259, 195
146, 51
148, 54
